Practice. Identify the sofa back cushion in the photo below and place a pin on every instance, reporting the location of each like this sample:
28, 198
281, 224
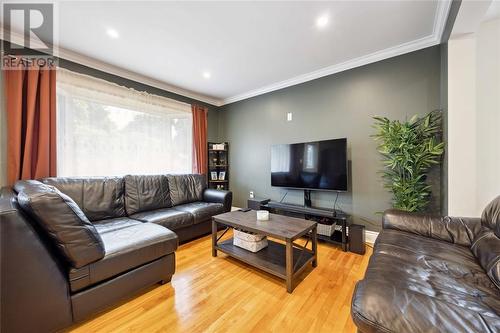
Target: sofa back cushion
62, 220
186, 188
99, 197
491, 216
486, 248
146, 192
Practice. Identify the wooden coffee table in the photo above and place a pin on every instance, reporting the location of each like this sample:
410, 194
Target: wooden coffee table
287, 260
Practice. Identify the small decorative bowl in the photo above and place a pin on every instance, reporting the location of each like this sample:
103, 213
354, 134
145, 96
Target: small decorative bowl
262, 215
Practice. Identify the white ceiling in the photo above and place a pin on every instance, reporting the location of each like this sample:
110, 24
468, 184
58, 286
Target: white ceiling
493, 11
248, 47
472, 13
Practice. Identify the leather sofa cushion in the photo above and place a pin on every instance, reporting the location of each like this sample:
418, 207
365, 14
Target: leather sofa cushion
87, 303
486, 248
99, 198
186, 188
219, 196
167, 217
114, 224
201, 211
143, 193
491, 216
458, 230
415, 283
62, 220
128, 244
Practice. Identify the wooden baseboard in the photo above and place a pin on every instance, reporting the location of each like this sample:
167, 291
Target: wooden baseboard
370, 236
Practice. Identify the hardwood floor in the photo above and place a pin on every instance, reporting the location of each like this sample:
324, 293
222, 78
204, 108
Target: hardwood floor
224, 295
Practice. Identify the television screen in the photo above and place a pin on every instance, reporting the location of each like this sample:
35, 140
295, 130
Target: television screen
320, 165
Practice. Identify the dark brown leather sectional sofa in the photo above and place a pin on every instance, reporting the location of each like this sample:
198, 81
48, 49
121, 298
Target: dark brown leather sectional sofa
432, 274
73, 246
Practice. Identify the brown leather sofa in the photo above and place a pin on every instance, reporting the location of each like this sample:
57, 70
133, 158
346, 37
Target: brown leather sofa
73, 246
432, 274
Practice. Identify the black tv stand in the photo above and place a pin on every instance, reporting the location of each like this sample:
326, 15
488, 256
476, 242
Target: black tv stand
323, 212
316, 214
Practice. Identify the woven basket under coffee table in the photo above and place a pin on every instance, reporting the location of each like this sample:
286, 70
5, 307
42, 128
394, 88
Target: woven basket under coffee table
249, 241
287, 260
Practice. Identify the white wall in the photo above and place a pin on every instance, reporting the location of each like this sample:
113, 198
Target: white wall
474, 119
488, 112
461, 126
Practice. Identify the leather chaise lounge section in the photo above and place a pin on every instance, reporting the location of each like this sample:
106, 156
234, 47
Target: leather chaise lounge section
432, 274
74, 246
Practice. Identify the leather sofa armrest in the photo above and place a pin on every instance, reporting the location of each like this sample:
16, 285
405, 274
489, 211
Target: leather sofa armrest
219, 196
33, 282
456, 230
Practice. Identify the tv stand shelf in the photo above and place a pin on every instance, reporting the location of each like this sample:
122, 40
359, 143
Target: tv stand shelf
317, 214
324, 212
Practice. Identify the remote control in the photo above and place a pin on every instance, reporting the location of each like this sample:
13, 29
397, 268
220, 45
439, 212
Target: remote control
245, 210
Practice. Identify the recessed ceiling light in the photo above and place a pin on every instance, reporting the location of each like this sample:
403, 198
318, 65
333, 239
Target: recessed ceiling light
322, 21
206, 75
112, 33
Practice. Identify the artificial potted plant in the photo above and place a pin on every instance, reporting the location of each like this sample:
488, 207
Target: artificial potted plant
409, 149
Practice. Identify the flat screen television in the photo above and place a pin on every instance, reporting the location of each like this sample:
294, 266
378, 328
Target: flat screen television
319, 165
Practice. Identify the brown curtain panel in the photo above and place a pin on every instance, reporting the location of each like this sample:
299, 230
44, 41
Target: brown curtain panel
30, 94
200, 154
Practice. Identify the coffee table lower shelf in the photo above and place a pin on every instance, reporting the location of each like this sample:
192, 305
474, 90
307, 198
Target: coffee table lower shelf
271, 259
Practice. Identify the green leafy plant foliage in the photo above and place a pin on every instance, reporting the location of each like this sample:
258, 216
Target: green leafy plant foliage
409, 149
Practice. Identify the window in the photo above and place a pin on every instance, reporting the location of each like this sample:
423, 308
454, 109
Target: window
108, 130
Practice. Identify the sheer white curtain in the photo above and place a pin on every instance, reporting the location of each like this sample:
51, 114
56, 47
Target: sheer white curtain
104, 129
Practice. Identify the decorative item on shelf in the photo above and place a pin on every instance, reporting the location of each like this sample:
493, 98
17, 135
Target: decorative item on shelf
262, 215
218, 146
249, 241
218, 165
409, 149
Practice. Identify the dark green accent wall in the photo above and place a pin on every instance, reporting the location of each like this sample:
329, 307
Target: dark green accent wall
339, 105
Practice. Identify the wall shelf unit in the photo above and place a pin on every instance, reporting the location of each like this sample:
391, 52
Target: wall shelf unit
218, 165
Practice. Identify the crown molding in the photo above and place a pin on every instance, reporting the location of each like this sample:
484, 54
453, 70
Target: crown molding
443, 7
78, 58
353, 63
119, 71
441, 15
